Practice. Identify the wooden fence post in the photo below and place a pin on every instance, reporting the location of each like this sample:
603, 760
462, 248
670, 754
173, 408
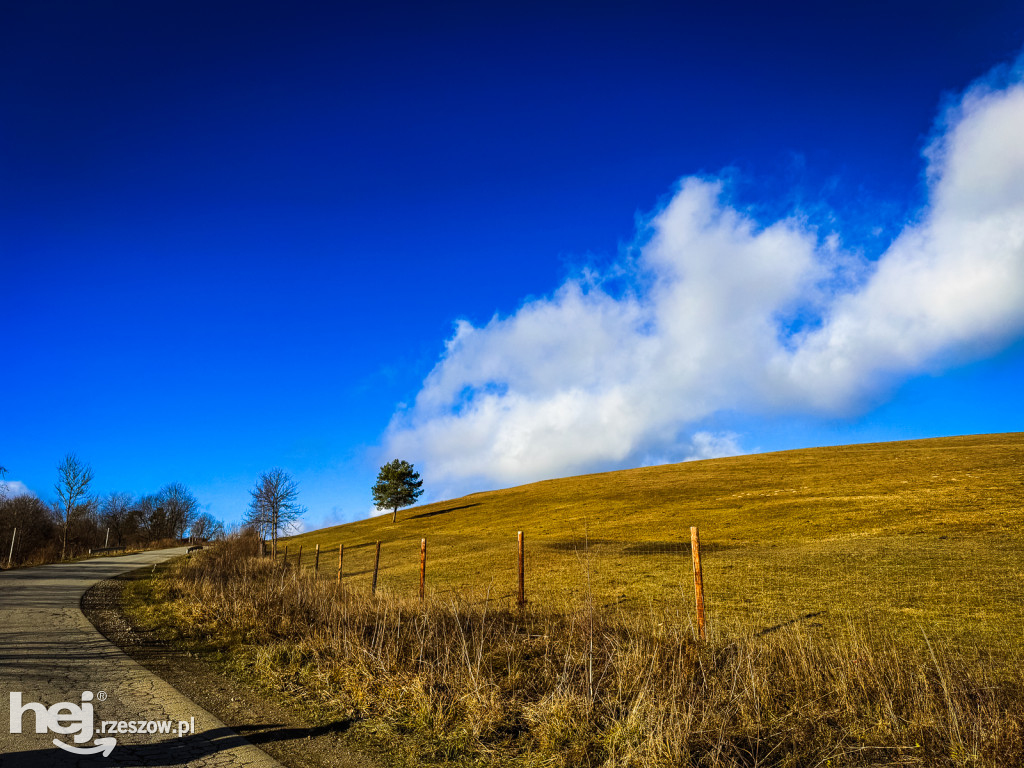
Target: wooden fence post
316, 563
341, 555
298, 560
698, 580
522, 574
286, 554
376, 562
10, 557
423, 568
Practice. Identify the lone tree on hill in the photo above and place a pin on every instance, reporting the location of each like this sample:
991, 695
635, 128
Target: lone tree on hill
398, 485
274, 506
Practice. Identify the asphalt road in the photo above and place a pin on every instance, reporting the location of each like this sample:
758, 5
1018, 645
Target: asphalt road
51, 654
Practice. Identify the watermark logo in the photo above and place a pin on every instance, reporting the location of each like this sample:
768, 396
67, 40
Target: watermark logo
79, 722
66, 719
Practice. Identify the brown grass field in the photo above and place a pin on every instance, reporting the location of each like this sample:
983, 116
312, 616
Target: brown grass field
921, 533
864, 608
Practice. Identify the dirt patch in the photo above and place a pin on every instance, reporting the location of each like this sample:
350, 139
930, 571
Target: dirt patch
263, 717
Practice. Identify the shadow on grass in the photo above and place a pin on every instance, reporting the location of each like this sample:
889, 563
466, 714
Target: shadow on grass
581, 545
789, 623
637, 548
442, 511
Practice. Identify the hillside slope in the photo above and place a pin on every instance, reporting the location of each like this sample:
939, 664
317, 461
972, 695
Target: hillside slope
924, 533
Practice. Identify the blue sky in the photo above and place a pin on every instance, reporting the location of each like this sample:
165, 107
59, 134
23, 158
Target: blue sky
502, 241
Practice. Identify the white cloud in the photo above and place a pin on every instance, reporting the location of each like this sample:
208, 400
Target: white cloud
14, 488
708, 445
295, 527
586, 379
951, 286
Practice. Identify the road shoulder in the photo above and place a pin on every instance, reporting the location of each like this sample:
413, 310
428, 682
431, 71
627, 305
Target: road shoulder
262, 717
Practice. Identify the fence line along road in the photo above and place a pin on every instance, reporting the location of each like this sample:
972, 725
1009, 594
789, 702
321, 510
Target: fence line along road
50, 654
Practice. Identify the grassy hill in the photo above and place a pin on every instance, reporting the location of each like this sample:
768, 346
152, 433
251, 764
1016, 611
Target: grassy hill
921, 534
865, 607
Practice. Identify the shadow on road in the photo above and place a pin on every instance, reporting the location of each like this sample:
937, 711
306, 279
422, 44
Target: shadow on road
172, 752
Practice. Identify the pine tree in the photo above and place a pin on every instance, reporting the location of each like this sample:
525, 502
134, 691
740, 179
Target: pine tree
398, 485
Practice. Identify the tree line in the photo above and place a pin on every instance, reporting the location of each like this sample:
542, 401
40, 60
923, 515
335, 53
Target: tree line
37, 531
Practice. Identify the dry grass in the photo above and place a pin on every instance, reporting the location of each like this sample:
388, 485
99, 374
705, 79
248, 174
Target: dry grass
465, 679
865, 608
911, 534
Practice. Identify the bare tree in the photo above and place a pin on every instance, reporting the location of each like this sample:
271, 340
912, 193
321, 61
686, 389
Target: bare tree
206, 527
33, 520
274, 507
72, 486
148, 516
257, 518
180, 508
117, 513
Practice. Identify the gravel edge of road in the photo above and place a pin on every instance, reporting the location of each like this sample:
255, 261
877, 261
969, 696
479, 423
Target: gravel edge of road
282, 731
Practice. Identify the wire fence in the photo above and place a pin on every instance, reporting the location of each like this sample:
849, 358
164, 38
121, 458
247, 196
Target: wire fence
968, 588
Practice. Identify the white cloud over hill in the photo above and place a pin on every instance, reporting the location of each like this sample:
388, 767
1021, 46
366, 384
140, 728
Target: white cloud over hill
725, 312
